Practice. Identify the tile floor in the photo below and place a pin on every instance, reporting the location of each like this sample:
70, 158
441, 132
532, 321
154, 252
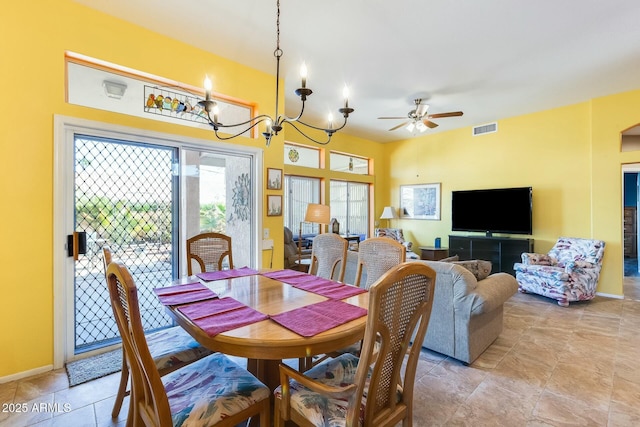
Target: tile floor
551, 366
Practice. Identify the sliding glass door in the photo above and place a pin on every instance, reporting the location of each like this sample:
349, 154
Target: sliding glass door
143, 197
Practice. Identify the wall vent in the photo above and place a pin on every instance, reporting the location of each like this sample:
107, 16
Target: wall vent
488, 128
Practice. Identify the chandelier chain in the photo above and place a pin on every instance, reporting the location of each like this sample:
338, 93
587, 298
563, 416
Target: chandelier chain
278, 52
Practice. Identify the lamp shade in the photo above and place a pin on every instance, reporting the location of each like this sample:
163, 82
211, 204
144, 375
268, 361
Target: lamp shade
388, 213
320, 214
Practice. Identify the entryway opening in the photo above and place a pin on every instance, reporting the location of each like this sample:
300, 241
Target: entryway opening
630, 215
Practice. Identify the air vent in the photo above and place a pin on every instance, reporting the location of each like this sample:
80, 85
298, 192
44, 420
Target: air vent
488, 128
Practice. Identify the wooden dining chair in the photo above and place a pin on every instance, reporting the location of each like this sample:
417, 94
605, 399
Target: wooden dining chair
209, 250
170, 348
375, 389
329, 252
376, 256
214, 391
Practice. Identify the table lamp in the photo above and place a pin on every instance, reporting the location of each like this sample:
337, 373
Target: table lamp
316, 213
388, 213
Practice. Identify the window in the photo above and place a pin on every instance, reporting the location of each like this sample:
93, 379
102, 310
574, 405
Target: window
300, 155
348, 163
350, 206
299, 192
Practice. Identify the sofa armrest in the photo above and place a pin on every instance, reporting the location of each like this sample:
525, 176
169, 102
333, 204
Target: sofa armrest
492, 292
544, 271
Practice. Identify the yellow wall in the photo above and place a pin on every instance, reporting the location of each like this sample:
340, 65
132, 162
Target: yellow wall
570, 156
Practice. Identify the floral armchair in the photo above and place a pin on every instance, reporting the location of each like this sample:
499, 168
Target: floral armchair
397, 235
569, 272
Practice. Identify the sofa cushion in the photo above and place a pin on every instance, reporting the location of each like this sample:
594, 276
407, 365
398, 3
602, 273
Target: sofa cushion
450, 259
479, 268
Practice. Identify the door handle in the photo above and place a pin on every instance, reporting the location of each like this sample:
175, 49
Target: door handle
77, 244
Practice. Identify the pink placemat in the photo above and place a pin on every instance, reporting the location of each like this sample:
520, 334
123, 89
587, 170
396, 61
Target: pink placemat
184, 294
221, 315
227, 274
284, 274
316, 318
198, 310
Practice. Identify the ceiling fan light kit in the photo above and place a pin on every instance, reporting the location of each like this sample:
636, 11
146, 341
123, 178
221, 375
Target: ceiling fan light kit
419, 119
273, 125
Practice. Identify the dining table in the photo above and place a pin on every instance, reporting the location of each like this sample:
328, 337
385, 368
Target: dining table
266, 316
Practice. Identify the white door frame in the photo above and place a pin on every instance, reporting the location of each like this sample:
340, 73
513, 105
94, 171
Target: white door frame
63, 145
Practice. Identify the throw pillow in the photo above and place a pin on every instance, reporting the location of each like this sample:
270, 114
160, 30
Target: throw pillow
479, 268
450, 259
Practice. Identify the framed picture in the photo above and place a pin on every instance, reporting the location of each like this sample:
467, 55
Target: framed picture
274, 179
421, 201
274, 205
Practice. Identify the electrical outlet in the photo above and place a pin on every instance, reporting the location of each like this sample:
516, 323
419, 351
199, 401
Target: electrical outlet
265, 233
267, 244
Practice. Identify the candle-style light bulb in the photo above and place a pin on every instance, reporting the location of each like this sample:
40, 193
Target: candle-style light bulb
345, 94
330, 120
207, 87
303, 74
216, 111
268, 126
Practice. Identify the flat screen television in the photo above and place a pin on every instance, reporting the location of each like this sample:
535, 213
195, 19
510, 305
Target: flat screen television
497, 210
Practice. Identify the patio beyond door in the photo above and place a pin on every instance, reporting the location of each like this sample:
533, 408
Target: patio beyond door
125, 196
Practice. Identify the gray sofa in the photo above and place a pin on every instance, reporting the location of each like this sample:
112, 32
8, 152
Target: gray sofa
467, 313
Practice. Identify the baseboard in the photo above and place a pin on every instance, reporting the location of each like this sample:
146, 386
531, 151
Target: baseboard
610, 295
25, 374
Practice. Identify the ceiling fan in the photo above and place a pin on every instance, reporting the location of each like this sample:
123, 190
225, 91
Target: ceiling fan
419, 119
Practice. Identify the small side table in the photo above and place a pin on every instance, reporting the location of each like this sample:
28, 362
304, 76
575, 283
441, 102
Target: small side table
433, 254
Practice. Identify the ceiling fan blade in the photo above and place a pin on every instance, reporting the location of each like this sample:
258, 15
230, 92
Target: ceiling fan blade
395, 118
430, 124
399, 126
451, 114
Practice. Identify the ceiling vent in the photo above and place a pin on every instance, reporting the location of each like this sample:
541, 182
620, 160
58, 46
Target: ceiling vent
488, 128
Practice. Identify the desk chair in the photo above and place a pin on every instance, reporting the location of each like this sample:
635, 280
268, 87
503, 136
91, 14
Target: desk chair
376, 389
209, 250
214, 391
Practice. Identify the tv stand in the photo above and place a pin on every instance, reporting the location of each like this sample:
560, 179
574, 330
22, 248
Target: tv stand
503, 252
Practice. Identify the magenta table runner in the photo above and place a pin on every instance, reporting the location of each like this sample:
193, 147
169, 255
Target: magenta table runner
227, 274
316, 318
221, 315
183, 294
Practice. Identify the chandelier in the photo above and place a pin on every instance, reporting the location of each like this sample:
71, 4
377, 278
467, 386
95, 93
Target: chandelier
273, 125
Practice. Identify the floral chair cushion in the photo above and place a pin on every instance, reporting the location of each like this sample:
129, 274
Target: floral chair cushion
569, 272
319, 409
210, 390
172, 348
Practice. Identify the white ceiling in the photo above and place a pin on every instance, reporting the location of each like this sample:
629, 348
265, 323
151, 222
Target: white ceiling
492, 59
